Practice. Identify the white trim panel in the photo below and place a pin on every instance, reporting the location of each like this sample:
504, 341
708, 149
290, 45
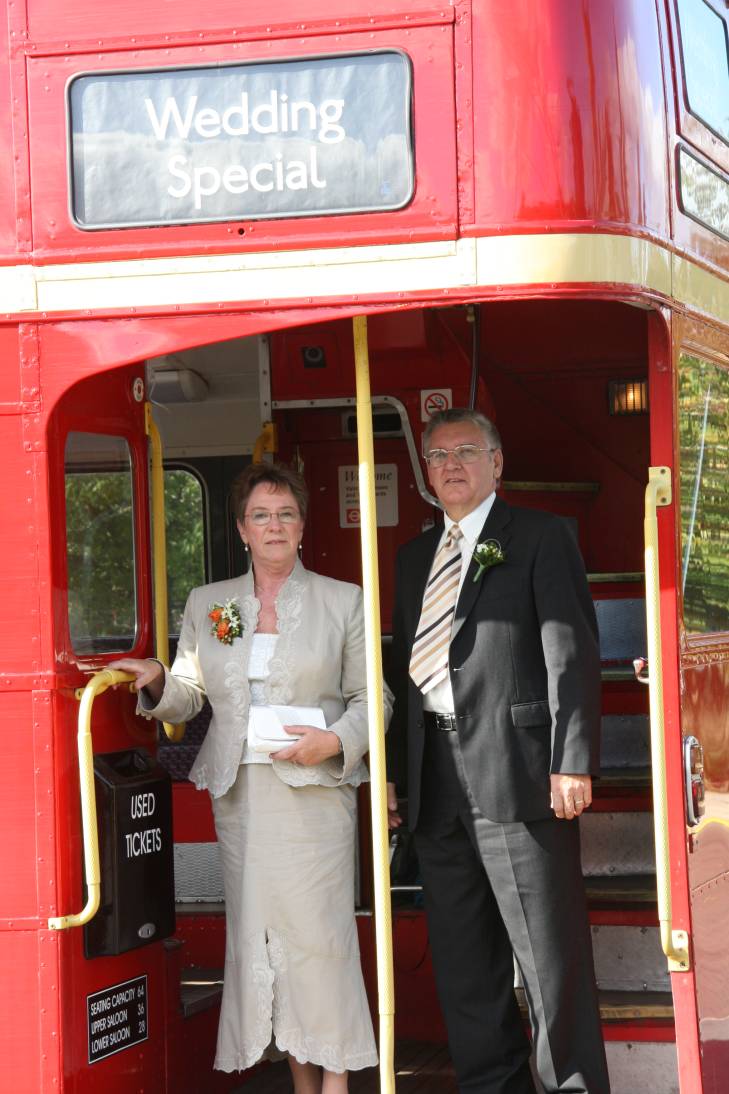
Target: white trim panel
287, 275
574, 258
547, 259
18, 288
700, 290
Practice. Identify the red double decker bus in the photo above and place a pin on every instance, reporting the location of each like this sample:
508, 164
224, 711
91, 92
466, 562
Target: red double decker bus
529, 204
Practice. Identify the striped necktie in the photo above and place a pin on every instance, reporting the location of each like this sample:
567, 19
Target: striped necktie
429, 658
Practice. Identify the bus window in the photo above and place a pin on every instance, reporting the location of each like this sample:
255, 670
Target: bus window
705, 62
100, 543
185, 523
704, 194
703, 395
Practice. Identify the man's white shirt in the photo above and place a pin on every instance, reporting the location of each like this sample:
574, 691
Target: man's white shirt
439, 699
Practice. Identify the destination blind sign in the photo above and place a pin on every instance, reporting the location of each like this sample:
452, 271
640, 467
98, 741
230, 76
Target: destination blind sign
117, 1018
237, 142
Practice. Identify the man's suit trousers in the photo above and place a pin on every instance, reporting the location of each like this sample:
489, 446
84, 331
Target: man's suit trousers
492, 888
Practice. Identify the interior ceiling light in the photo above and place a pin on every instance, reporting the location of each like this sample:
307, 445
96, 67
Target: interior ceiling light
628, 396
178, 385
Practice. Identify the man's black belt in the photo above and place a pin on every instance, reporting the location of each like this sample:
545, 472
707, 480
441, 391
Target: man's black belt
445, 722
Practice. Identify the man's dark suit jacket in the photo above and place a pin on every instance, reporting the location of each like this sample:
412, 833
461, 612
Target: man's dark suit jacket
524, 667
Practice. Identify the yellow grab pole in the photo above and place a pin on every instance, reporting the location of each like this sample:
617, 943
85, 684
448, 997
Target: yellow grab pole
159, 548
89, 825
267, 442
674, 943
370, 582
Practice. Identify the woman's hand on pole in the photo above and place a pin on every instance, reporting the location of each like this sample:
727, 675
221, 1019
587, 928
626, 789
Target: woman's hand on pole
148, 674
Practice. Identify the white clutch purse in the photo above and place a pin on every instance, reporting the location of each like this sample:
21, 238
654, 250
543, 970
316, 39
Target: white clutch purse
266, 731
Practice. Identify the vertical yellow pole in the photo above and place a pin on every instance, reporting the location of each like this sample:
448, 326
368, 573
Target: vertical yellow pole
159, 556
370, 582
159, 546
675, 943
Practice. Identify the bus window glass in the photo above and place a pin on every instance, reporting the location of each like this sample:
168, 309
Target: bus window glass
185, 521
100, 543
706, 64
704, 483
704, 194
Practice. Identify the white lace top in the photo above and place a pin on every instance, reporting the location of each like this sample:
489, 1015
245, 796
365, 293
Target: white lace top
262, 650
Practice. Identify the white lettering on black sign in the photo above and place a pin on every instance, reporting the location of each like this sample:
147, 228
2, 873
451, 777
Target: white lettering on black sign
117, 1018
264, 139
149, 840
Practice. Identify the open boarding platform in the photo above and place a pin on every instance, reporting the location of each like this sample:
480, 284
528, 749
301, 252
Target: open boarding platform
419, 1069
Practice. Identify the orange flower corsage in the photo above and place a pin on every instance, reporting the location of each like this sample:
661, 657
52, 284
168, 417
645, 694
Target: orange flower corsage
225, 622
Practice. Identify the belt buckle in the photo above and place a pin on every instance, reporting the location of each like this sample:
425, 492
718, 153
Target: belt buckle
446, 722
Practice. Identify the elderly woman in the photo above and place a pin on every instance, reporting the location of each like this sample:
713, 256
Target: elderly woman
279, 636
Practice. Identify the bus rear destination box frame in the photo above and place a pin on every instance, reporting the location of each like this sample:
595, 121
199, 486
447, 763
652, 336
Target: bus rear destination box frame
241, 141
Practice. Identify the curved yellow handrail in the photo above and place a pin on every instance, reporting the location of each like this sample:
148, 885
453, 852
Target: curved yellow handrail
674, 943
370, 582
98, 683
267, 441
159, 547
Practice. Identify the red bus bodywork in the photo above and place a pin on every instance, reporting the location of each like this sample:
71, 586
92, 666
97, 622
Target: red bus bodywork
547, 138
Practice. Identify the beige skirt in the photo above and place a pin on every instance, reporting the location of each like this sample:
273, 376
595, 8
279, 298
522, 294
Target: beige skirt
293, 979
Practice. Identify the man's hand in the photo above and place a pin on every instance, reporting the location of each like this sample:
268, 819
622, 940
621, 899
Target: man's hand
394, 820
571, 795
315, 745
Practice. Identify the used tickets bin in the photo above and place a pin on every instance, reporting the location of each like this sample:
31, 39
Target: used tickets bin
134, 809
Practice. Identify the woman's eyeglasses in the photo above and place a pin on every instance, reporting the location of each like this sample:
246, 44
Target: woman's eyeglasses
464, 453
259, 517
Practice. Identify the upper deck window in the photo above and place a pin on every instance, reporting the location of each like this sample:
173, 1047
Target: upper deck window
704, 193
242, 141
706, 64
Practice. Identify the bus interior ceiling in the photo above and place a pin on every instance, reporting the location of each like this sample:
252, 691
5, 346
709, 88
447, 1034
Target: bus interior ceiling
553, 375
545, 375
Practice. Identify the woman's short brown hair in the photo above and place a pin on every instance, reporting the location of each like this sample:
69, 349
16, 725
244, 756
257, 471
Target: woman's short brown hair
277, 475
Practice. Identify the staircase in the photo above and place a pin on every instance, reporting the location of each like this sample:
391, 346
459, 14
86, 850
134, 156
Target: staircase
618, 858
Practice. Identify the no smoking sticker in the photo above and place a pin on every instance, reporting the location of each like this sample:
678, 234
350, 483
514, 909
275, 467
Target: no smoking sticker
434, 399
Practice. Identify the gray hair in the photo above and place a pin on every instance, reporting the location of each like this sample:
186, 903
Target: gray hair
462, 414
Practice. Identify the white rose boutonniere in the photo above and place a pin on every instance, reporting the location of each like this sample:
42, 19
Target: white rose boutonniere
486, 555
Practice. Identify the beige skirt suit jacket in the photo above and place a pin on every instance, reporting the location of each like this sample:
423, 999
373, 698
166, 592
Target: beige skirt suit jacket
293, 980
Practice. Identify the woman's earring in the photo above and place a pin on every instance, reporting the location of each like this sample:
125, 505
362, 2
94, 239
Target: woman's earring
246, 548
300, 549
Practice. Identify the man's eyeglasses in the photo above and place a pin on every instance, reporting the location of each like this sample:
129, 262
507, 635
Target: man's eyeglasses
464, 453
260, 517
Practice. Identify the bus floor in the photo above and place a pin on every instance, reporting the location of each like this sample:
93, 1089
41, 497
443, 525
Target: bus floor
420, 1068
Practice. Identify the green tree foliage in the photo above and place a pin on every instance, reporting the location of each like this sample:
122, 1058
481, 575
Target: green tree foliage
101, 572
703, 394
100, 546
185, 541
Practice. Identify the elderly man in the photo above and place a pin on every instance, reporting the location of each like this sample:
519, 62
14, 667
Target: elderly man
495, 668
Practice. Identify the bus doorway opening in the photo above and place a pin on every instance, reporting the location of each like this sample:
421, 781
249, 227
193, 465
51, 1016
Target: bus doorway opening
568, 385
